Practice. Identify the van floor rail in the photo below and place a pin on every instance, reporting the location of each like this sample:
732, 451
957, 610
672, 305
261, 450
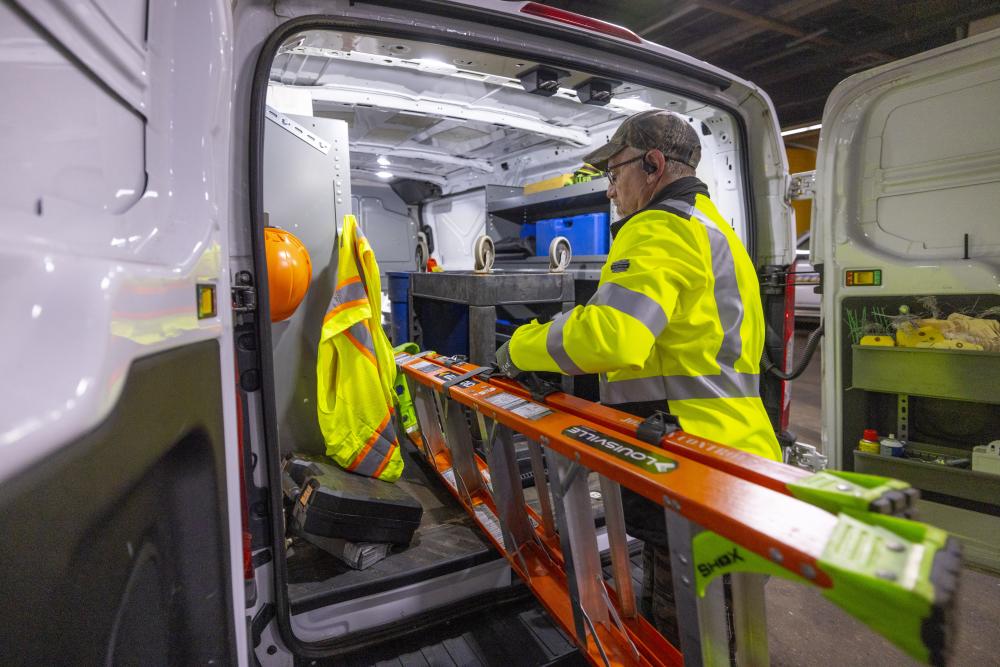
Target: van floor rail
727, 513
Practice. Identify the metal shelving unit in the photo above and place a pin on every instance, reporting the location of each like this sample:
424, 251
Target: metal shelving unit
568, 200
544, 261
965, 502
957, 375
981, 488
507, 212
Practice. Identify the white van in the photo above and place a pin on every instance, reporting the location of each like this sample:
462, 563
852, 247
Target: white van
147, 145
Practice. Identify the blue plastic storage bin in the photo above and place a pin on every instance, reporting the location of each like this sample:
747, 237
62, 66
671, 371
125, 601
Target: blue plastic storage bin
399, 286
588, 234
399, 297
400, 322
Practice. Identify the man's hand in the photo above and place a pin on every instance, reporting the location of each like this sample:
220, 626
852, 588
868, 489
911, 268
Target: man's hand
504, 363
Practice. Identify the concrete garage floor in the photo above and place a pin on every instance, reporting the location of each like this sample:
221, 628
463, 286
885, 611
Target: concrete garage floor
806, 630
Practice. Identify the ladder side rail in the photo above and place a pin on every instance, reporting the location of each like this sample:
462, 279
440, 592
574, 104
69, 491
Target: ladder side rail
614, 516
704, 634
833, 490
427, 417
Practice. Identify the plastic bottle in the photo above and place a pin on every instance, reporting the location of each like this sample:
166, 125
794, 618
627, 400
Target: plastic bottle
869, 442
891, 447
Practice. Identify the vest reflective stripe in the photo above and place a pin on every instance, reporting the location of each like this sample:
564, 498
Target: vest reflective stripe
349, 290
727, 292
728, 384
361, 338
612, 295
378, 450
633, 303
334, 311
554, 345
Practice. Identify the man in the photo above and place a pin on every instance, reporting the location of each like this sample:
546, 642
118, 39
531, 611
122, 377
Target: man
676, 323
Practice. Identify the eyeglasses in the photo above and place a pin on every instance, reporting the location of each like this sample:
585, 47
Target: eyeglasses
609, 172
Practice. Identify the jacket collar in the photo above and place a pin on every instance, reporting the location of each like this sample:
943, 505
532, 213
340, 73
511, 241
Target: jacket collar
684, 189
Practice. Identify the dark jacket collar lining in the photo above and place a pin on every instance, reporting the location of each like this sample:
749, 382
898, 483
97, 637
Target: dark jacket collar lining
684, 189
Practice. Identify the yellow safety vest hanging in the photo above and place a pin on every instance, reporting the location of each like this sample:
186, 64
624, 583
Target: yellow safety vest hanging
355, 369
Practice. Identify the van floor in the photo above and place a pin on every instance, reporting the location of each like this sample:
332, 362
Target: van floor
513, 634
446, 541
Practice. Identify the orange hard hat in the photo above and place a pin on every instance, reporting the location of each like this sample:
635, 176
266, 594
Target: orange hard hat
289, 272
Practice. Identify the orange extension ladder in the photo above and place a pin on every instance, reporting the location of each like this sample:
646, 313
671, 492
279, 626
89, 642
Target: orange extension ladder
727, 513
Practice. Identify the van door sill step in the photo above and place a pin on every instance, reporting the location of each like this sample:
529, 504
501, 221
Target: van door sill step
514, 633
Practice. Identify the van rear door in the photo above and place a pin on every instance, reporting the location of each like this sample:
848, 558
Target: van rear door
905, 227
119, 479
907, 186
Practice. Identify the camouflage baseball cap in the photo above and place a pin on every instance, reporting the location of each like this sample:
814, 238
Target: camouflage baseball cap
651, 129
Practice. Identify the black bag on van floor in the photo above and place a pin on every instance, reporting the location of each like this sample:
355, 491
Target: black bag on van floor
330, 502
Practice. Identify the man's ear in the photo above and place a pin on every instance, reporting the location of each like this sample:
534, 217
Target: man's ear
653, 162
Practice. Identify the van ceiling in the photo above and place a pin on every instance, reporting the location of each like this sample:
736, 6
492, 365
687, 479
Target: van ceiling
440, 112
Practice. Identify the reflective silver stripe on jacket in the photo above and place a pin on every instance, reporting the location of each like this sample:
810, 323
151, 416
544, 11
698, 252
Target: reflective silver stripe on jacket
557, 349
345, 294
727, 291
362, 335
633, 303
385, 440
728, 384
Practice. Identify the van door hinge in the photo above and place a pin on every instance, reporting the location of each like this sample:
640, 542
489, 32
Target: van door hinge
805, 456
802, 185
773, 280
244, 293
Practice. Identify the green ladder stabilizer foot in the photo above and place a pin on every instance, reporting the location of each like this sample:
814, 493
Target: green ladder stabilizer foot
837, 491
898, 577
939, 630
407, 415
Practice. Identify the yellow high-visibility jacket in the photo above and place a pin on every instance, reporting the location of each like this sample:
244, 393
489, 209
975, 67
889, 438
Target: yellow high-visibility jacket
355, 369
676, 318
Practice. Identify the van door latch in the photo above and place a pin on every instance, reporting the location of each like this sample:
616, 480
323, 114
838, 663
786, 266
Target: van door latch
244, 294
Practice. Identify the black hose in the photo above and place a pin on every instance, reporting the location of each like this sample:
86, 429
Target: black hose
800, 366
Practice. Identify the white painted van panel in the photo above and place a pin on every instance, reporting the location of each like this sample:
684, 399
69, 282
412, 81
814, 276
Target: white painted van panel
457, 222
908, 163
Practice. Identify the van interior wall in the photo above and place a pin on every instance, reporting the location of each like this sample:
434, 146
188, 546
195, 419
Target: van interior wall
385, 220
301, 196
456, 222
460, 119
458, 219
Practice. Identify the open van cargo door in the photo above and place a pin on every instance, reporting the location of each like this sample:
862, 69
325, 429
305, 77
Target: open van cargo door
904, 225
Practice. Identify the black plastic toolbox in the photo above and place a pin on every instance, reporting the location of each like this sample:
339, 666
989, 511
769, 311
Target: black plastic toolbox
332, 502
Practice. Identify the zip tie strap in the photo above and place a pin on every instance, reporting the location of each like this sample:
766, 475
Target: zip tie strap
463, 377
